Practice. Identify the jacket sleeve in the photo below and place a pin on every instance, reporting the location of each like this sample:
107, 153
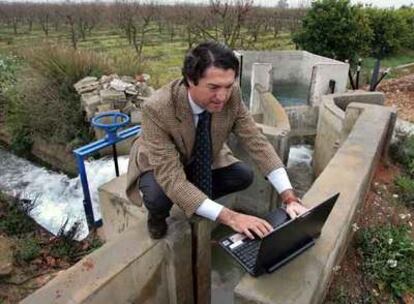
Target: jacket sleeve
253, 140
165, 159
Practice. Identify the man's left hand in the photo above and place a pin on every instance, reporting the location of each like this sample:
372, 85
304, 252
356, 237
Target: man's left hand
293, 203
295, 209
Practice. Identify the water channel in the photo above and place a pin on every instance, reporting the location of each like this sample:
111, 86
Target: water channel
57, 197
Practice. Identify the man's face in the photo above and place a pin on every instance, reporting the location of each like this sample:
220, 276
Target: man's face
214, 89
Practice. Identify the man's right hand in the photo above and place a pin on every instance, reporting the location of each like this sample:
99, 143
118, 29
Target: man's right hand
244, 223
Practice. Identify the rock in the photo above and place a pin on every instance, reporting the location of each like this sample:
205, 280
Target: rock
106, 79
90, 100
111, 96
6, 256
121, 86
86, 84
128, 79
131, 91
105, 108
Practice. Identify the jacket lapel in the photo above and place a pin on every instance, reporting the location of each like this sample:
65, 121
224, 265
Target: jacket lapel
218, 130
184, 116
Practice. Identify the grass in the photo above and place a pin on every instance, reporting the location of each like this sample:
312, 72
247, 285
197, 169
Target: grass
404, 56
14, 219
405, 186
36, 253
27, 249
162, 58
388, 258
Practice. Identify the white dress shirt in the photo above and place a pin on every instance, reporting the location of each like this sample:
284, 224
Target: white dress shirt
209, 208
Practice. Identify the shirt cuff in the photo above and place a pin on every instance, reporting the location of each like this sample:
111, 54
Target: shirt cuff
209, 209
280, 180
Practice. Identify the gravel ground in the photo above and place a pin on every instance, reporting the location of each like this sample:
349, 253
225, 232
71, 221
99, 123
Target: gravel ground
400, 94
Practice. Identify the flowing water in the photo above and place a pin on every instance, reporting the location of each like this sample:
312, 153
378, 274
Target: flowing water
58, 198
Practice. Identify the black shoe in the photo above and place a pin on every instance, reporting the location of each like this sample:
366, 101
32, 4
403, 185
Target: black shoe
157, 226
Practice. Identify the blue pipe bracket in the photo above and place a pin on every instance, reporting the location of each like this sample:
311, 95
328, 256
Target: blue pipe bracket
110, 122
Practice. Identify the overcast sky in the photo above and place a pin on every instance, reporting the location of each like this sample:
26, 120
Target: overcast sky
292, 3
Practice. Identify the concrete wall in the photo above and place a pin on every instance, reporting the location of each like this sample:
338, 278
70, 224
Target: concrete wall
303, 120
306, 278
129, 269
299, 67
322, 74
331, 132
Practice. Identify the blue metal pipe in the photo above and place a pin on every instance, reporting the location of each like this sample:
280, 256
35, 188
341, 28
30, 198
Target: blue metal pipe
82, 152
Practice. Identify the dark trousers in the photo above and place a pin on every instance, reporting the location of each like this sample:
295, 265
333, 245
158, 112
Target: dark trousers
233, 178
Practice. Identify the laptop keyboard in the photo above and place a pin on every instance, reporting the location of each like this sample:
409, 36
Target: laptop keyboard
247, 252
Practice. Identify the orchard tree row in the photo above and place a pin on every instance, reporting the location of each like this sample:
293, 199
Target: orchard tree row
235, 22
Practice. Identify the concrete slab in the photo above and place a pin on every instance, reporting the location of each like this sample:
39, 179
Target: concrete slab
129, 269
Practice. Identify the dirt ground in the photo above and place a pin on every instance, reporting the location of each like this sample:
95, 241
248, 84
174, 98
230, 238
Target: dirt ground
54, 255
399, 93
380, 207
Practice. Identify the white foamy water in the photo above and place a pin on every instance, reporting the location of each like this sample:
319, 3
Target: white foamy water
299, 168
300, 154
58, 197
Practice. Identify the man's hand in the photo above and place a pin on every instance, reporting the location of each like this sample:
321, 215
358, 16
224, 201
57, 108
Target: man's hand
295, 208
293, 203
244, 223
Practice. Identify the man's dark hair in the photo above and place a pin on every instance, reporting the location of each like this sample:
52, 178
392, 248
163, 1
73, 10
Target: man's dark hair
205, 55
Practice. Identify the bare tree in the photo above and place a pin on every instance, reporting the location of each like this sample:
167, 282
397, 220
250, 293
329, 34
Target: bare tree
231, 16
135, 20
190, 21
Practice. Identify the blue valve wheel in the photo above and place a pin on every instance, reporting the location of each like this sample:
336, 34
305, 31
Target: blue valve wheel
117, 120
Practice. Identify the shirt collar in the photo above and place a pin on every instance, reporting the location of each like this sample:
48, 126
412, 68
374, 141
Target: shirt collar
195, 108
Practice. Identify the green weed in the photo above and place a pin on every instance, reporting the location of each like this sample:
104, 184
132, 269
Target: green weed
65, 65
402, 152
65, 245
14, 219
388, 257
405, 185
27, 249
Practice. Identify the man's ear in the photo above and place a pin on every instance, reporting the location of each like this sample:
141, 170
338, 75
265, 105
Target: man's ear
190, 83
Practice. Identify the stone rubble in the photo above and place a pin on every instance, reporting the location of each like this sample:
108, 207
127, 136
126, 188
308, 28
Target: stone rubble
111, 93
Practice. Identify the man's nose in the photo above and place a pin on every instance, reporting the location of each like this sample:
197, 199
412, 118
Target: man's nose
221, 95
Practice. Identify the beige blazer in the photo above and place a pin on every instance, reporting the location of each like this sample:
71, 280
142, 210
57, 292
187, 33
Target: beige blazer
167, 139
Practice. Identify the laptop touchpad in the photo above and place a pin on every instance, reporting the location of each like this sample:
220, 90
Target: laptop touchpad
277, 217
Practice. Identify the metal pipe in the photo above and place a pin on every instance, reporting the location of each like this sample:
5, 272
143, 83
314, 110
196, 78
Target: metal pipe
375, 73
115, 155
358, 72
332, 84
382, 77
87, 205
351, 80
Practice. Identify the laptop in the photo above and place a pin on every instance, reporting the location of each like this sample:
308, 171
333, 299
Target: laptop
288, 239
